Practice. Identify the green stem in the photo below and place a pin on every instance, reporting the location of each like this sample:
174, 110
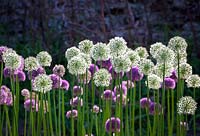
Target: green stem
63, 112
172, 106
168, 113
133, 108
8, 120
25, 122
194, 116
49, 114
59, 112
140, 116
55, 111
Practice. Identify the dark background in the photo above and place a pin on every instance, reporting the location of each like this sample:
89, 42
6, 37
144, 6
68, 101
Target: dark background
30, 26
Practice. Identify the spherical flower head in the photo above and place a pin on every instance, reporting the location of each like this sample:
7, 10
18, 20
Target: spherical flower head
2, 50
154, 81
65, 84
76, 101
72, 113
7, 72
100, 52
77, 66
145, 102
129, 84
71, 52
117, 46
193, 81
43, 83
93, 68
12, 60
44, 58
142, 52
121, 64
177, 44
155, 108
35, 73
31, 63
186, 105
133, 56
96, 109
85, 46
31, 104
77, 90
102, 78
169, 83
155, 47
9, 99
112, 125
85, 78
59, 70
56, 81
119, 88
180, 58
134, 74
164, 55
105, 64
3, 96
87, 58
108, 95
146, 66
19, 75
117, 99
185, 70
25, 93
163, 69
114, 73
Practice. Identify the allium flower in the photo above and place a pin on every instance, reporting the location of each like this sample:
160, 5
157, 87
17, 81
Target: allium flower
71, 52
169, 83
121, 64
72, 113
155, 108
65, 84
186, 105
56, 81
117, 46
133, 56
21, 67
145, 102
135, 73
119, 88
154, 81
85, 78
7, 72
96, 109
164, 55
105, 64
12, 60
6, 96
108, 95
174, 75
31, 64
117, 99
77, 66
146, 66
77, 90
59, 70
35, 73
112, 125
19, 75
177, 44
185, 70
25, 93
2, 50
163, 69
42, 83
76, 101
44, 58
85, 46
114, 73
129, 84
93, 68
155, 47
9, 100
102, 78
100, 51
180, 58
31, 104
193, 81
142, 52
86, 57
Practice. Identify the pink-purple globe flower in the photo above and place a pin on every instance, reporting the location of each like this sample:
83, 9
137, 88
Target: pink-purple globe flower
112, 125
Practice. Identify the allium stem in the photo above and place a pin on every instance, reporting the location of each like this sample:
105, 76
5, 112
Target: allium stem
172, 106
59, 111
55, 111
63, 112
2, 112
8, 120
194, 116
168, 113
127, 117
147, 112
133, 109
178, 97
140, 112
49, 114
25, 122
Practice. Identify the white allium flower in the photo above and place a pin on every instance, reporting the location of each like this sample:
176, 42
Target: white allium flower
59, 70
155, 47
186, 105
42, 83
146, 66
31, 63
185, 70
87, 58
121, 64
193, 81
100, 51
12, 60
117, 46
154, 81
164, 55
142, 52
71, 52
44, 58
163, 70
77, 65
177, 44
85, 46
181, 58
102, 78
133, 56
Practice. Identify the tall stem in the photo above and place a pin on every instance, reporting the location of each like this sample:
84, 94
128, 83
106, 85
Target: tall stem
194, 116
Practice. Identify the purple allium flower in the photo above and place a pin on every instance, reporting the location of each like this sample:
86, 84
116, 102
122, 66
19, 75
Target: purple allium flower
20, 75
174, 75
21, 67
117, 99
2, 50
115, 74
112, 125
108, 95
136, 74
31, 104
35, 73
57, 81
119, 88
65, 84
3, 96
7, 72
72, 113
9, 99
128, 84
96, 109
59, 70
76, 101
93, 68
25, 93
105, 64
77, 90
153, 107
169, 83
145, 102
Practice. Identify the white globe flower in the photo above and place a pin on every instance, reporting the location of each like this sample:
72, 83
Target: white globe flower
134, 57
71, 52
155, 47
100, 51
177, 44
142, 52
31, 63
44, 58
146, 66
185, 70
154, 81
121, 64
193, 81
102, 78
85, 46
12, 60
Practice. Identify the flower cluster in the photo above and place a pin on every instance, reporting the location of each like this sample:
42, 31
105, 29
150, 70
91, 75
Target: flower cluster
6, 97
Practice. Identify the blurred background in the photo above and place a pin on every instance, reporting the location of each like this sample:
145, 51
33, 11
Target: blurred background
30, 26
